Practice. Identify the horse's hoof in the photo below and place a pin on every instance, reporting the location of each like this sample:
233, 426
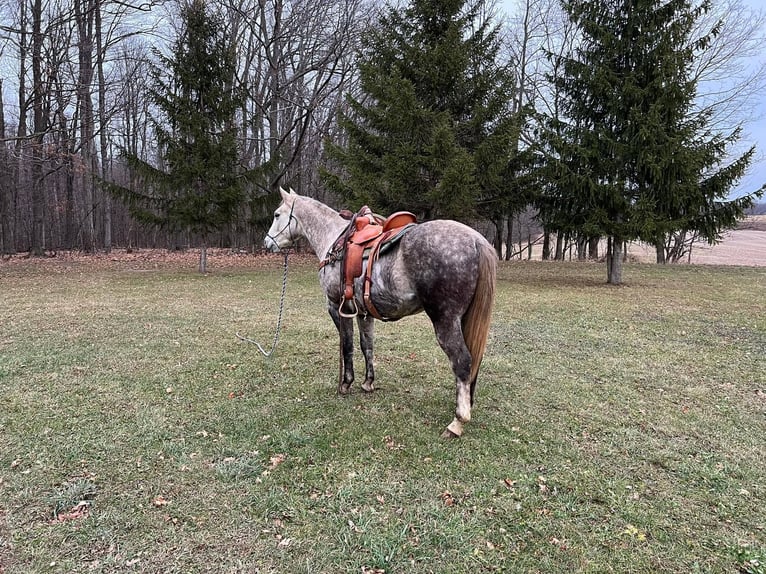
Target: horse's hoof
453, 430
344, 389
449, 435
368, 387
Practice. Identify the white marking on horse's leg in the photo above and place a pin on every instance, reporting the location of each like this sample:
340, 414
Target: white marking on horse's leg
453, 430
463, 410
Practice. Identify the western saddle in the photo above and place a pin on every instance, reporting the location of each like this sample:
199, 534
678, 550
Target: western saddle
363, 239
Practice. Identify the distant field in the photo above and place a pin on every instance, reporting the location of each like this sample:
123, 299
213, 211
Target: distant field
745, 245
616, 429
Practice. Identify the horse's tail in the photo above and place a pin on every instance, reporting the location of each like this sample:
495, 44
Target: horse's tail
477, 318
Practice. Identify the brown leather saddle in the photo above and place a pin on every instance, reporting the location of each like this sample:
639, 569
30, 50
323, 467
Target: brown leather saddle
363, 239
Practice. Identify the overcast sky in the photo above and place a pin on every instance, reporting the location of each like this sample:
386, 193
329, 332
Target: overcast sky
754, 127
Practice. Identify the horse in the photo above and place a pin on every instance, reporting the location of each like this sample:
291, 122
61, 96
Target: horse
442, 267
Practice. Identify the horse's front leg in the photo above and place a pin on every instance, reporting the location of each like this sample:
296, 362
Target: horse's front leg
366, 331
345, 328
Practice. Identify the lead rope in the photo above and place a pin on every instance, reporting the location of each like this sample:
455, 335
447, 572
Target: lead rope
279, 318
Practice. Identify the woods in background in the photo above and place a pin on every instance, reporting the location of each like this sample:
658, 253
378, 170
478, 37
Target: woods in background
447, 109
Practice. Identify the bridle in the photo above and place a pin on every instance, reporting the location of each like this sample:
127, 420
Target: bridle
286, 226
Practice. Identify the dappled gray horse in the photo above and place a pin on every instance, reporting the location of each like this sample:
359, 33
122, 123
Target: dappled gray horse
441, 267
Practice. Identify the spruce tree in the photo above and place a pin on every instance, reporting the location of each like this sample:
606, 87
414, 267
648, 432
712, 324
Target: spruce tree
633, 159
431, 131
199, 187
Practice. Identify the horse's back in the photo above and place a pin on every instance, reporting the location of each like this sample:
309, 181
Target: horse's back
442, 258
444, 242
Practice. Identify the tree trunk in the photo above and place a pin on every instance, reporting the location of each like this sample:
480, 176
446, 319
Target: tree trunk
23, 102
203, 258
498, 223
70, 219
614, 260
275, 59
546, 245
6, 239
102, 122
37, 244
68, 144
660, 250
560, 240
529, 245
84, 21
593, 248
581, 248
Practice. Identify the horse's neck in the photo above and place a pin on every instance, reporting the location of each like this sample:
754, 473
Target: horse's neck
321, 224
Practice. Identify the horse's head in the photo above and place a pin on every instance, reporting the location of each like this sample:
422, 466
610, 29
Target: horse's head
285, 228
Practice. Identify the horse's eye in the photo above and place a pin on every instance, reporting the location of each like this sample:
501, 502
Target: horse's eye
276, 216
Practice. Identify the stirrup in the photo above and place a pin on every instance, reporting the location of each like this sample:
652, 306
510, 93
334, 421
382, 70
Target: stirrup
351, 314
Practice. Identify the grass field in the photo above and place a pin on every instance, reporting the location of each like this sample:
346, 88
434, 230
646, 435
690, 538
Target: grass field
616, 429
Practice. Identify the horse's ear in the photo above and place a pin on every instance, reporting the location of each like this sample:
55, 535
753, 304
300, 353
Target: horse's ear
292, 191
287, 196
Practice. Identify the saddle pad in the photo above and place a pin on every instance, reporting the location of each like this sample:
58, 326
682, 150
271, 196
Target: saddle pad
392, 241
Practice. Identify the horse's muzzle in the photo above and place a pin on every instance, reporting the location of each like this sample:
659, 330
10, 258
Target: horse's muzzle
271, 245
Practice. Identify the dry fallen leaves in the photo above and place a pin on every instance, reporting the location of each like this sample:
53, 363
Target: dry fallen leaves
276, 460
160, 501
354, 528
142, 259
560, 544
391, 444
542, 486
285, 542
79, 510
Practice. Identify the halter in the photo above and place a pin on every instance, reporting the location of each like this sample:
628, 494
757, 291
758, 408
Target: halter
287, 226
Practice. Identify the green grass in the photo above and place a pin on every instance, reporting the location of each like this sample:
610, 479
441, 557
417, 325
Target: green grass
616, 429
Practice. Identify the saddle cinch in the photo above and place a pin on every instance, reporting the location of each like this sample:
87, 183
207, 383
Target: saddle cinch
366, 235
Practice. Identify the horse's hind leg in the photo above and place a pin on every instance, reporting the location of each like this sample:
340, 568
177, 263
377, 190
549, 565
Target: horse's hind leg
450, 337
366, 330
345, 328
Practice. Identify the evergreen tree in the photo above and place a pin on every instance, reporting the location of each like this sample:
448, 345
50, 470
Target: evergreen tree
201, 185
633, 160
431, 132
